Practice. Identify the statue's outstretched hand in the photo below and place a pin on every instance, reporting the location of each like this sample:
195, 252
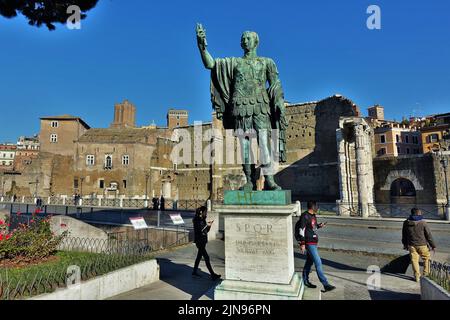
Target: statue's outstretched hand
201, 36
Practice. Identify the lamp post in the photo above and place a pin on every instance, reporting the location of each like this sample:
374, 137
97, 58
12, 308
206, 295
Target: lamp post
81, 187
444, 162
147, 175
3, 185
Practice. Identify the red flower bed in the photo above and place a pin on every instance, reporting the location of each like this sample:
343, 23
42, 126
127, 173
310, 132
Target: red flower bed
28, 242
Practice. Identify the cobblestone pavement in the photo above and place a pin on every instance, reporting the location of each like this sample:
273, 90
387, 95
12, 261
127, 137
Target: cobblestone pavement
347, 271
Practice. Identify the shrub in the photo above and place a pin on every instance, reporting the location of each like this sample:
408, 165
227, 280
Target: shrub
28, 242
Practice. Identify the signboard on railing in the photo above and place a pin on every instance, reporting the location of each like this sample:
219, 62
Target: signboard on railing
138, 223
176, 219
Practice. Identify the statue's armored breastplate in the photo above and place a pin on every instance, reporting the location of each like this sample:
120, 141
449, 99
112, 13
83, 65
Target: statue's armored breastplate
249, 88
249, 77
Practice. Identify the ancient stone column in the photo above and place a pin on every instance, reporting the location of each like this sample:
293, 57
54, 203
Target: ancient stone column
362, 170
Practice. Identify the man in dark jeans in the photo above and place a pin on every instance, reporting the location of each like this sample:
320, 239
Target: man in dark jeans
305, 233
201, 229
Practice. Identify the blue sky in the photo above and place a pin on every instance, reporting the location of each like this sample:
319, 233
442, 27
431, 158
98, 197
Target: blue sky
145, 51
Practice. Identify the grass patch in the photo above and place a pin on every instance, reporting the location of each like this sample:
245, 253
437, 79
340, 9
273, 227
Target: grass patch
26, 281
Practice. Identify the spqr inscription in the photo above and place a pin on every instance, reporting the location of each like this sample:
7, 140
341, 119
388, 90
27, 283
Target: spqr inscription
263, 229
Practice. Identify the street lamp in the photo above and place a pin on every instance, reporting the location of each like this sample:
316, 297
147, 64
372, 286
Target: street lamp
147, 175
444, 162
81, 187
3, 184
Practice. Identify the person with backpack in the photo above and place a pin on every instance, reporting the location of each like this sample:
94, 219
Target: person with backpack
305, 233
201, 229
417, 239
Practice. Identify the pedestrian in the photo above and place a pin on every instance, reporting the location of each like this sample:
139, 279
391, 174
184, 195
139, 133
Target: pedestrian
305, 233
201, 229
14, 198
162, 203
417, 239
155, 203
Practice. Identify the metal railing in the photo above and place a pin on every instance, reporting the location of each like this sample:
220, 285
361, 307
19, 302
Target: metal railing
429, 211
170, 204
83, 258
440, 273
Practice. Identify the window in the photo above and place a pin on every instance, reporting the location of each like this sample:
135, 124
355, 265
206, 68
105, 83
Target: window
415, 140
124, 184
408, 151
108, 162
382, 152
397, 137
90, 160
399, 151
75, 183
126, 160
54, 138
383, 138
101, 183
433, 138
407, 139
54, 124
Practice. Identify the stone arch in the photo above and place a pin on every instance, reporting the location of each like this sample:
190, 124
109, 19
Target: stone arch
402, 174
402, 187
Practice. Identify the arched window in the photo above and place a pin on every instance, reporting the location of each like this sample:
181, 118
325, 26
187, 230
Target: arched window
108, 162
403, 188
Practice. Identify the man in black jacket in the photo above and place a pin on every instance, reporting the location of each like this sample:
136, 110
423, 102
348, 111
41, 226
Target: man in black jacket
201, 229
305, 233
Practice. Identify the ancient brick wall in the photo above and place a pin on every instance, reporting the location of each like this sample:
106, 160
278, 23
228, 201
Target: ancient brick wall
419, 169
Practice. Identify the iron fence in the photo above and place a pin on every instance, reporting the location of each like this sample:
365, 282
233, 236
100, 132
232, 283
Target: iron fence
134, 203
56, 201
429, 211
28, 200
440, 273
82, 258
170, 204
91, 202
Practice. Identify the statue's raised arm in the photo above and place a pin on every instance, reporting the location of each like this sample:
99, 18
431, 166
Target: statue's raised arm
207, 59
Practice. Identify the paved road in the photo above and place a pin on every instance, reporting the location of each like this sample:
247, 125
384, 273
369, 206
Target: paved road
377, 236
348, 271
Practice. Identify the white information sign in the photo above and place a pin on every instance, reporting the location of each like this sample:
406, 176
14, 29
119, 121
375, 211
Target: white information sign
176, 219
138, 223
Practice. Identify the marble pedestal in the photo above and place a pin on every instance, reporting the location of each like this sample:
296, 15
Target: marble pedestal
259, 254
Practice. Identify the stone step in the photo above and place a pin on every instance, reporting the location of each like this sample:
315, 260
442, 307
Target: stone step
312, 294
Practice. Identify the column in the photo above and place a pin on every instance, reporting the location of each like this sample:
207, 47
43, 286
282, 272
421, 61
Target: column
361, 171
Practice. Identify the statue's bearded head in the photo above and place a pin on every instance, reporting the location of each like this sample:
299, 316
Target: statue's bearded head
249, 41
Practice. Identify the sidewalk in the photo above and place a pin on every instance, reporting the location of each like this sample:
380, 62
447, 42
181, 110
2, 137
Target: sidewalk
348, 271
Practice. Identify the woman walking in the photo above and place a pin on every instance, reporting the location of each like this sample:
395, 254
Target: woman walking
201, 229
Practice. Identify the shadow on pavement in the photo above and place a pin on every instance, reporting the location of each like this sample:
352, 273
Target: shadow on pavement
330, 263
397, 266
392, 295
180, 277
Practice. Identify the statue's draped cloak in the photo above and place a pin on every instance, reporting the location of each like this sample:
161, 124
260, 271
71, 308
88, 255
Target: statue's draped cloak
221, 93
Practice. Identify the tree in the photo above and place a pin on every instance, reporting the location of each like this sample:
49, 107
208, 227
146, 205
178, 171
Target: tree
405, 122
48, 12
